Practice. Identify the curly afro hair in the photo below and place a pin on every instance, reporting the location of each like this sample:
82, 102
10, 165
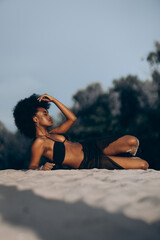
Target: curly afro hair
24, 112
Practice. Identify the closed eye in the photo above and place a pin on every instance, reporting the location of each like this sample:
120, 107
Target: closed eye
45, 113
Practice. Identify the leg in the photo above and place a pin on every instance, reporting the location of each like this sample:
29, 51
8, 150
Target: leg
121, 145
130, 163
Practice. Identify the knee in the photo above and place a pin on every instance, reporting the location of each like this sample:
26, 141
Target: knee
132, 141
144, 165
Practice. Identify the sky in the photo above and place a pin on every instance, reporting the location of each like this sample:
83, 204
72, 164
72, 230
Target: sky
61, 46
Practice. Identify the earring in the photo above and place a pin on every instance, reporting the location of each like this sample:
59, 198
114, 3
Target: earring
37, 124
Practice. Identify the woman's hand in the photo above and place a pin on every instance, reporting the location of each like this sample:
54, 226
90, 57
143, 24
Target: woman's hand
48, 166
45, 97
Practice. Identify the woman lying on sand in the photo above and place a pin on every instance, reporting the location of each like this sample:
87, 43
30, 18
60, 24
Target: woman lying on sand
32, 119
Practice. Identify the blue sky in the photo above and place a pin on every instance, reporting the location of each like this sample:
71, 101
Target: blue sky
58, 47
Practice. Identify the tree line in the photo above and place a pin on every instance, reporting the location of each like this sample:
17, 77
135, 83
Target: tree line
130, 106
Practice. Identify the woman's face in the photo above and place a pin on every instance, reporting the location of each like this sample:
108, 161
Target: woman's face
44, 119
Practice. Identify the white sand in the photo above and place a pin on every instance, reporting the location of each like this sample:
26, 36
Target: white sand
80, 204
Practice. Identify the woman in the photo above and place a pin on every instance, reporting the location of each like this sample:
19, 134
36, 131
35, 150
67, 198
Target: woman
32, 119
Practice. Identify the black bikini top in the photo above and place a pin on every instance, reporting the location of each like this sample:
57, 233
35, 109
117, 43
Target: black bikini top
58, 151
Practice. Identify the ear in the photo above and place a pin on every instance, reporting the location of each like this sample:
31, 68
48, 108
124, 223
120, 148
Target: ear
35, 119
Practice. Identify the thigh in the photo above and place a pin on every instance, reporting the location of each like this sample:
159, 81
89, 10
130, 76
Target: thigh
120, 145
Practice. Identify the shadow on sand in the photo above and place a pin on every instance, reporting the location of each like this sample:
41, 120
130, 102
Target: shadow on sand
52, 219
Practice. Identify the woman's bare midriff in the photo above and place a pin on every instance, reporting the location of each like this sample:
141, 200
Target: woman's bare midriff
73, 154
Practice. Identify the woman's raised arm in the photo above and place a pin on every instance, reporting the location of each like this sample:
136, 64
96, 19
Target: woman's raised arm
71, 118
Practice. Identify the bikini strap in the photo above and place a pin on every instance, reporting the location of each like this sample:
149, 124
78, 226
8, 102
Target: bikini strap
55, 140
50, 138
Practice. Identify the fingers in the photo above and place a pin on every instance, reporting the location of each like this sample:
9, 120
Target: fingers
43, 97
48, 166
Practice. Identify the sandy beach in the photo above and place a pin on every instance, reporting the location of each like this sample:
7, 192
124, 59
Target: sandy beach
80, 204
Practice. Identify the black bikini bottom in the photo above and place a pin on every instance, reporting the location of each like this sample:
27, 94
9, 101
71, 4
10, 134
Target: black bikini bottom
94, 156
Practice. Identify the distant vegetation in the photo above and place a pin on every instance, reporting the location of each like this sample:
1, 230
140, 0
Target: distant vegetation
130, 106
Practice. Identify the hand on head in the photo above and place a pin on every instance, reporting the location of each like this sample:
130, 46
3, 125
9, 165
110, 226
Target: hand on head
45, 97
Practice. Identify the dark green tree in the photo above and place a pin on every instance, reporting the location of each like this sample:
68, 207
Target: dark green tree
14, 149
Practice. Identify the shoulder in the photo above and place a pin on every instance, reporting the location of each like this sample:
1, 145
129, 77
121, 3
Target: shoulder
38, 143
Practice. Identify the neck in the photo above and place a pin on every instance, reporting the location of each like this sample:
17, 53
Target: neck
41, 131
